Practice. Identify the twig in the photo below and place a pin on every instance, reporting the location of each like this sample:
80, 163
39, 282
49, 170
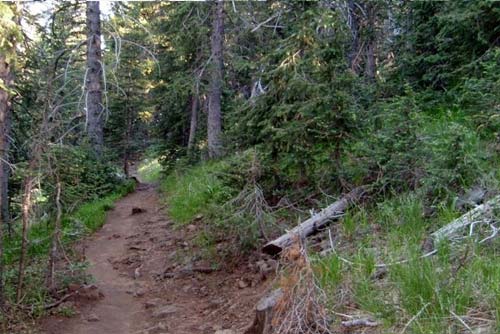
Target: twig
360, 322
414, 318
461, 321
264, 22
48, 306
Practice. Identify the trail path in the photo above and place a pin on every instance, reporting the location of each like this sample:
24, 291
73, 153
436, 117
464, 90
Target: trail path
153, 283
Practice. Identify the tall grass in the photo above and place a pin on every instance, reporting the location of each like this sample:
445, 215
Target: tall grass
191, 192
460, 281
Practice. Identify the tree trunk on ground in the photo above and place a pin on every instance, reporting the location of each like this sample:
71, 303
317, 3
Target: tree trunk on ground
462, 223
314, 223
5, 111
194, 121
214, 124
93, 83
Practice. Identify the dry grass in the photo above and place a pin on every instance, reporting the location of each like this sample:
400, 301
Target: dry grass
301, 309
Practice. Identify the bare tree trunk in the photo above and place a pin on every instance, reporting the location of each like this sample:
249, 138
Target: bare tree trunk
6, 79
354, 27
93, 101
25, 211
56, 238
194, 121
370, 65
214, 124
128, 135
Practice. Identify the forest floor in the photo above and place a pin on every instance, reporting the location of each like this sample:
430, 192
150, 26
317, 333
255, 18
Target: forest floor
147, 279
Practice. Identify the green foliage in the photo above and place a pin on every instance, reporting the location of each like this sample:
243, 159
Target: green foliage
10, 33
87, 218
149, 170
302, 118
442, 37
191, 192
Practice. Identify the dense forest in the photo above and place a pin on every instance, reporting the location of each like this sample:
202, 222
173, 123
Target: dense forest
347, 151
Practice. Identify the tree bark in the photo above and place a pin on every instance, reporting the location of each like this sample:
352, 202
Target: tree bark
25, 213
370, 65
56, 238
194, 120
264, 314
354, 27
314, 223
93, 98
214, 124
5, 111
460, 224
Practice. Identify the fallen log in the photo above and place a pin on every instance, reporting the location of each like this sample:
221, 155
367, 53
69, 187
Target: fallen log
264, 314
477, 214
312, 224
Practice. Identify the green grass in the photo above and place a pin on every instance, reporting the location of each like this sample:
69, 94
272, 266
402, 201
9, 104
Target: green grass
461, 279
192, 192
150, 170
86, 219
92, 215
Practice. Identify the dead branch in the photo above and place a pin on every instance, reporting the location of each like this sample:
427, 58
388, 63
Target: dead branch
314, 223
360, 323
479, 215
47, 306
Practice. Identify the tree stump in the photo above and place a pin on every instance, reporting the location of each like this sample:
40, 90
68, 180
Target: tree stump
264, 313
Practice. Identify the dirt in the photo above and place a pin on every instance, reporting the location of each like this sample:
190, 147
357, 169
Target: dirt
153, 280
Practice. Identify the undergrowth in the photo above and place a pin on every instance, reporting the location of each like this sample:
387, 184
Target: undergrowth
379, 271
84, 220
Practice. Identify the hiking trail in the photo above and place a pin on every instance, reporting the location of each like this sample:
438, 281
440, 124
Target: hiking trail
148, 280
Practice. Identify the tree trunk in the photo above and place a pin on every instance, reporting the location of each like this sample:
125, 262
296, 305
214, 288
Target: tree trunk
354, 27
56, 238
370, 65
127, 139
25, 213
214, 124
314, 223
264, 314
93, 98
194, 120
5, 111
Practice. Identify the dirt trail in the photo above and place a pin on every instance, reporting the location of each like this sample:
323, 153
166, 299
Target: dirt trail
153, 282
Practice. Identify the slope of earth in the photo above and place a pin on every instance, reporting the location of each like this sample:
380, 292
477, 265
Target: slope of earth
147, 279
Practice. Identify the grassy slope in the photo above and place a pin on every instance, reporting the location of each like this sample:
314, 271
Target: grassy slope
459, 281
